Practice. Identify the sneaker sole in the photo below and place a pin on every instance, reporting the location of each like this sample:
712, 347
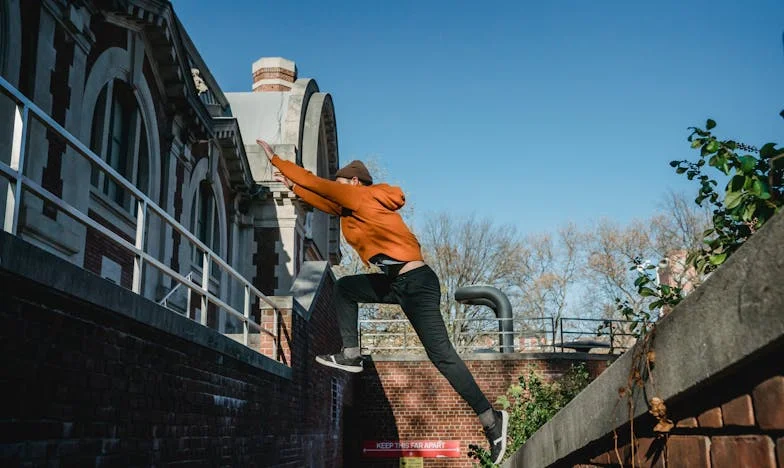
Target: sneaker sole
352, 369
504, 428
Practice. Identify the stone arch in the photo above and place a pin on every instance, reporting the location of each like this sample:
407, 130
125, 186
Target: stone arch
319, 152
300, 95
115, 63
199, 173
319, 126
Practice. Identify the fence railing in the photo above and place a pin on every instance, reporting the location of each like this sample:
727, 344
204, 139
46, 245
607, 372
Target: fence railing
19, 183
542, 334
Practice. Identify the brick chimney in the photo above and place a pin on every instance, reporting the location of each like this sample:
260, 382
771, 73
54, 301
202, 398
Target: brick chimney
273, 74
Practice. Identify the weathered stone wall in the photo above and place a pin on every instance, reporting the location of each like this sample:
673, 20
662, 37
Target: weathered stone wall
718, 368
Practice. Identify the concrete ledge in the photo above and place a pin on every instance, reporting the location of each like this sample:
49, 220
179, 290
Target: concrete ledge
23, 260
307, 286
735, 316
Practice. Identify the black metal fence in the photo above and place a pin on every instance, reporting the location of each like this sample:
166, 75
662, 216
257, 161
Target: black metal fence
478, 335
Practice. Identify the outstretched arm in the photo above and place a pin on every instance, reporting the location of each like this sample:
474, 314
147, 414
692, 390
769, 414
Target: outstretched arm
347, 196
316, 201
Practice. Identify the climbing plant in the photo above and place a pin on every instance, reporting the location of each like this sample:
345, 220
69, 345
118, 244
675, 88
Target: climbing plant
531, 402
752, 195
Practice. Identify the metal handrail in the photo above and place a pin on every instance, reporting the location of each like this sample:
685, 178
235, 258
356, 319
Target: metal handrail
169, 294
15, 174
548, 330
612, 330
406, 332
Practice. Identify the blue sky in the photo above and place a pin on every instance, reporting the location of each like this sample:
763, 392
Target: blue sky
530, 113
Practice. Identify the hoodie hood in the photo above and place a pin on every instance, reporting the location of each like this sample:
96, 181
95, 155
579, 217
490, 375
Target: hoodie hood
391, 198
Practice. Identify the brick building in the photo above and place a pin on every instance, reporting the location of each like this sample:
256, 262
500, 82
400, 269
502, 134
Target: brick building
126, 80
183, 197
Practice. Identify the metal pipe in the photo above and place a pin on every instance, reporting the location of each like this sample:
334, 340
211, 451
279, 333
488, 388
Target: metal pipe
496, 300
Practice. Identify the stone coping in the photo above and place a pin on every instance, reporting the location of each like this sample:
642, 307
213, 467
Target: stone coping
735, 316
402, 357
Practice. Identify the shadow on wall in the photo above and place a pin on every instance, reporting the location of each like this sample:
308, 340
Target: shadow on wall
371, 419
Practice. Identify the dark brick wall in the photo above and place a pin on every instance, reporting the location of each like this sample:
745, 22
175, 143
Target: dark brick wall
85, 386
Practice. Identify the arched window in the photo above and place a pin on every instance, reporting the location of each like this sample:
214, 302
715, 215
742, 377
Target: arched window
204, 219
119, 136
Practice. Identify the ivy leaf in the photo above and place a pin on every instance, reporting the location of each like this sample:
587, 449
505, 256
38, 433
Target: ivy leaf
736, 183
733, 199
761, 189
768, 150
710, 124
718, 259
712, 146
748, 213
640, 281
747, 164
645, 292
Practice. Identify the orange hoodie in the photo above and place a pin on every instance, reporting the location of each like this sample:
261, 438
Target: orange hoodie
368, 214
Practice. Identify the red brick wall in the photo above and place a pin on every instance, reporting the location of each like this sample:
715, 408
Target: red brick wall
735, 421
274, 73
98, 246
85, 386
405, 400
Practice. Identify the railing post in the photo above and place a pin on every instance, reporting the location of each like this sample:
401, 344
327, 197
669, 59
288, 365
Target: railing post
611, 337
276, 335
246, 312
188, 302
138, 261
18, 148
205, 284
560, 326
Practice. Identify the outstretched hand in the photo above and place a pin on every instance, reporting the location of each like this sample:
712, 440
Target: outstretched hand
286, 181
267, 148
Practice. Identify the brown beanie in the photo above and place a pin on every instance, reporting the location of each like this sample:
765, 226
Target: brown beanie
355, 169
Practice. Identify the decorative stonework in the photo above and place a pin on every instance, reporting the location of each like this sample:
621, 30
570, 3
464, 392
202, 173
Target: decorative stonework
201, 86
274, 74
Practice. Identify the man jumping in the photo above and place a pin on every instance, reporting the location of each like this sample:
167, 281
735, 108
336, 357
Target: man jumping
372, 225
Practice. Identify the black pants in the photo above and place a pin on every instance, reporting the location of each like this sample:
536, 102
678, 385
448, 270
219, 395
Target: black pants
419, 294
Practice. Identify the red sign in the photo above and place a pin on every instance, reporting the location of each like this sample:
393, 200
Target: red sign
411, 448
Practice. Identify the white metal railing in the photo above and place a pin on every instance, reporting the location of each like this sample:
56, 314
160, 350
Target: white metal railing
24, 110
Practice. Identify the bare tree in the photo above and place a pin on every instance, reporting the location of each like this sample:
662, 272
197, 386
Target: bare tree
679, 224
551, 265
664, 239
466, 252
